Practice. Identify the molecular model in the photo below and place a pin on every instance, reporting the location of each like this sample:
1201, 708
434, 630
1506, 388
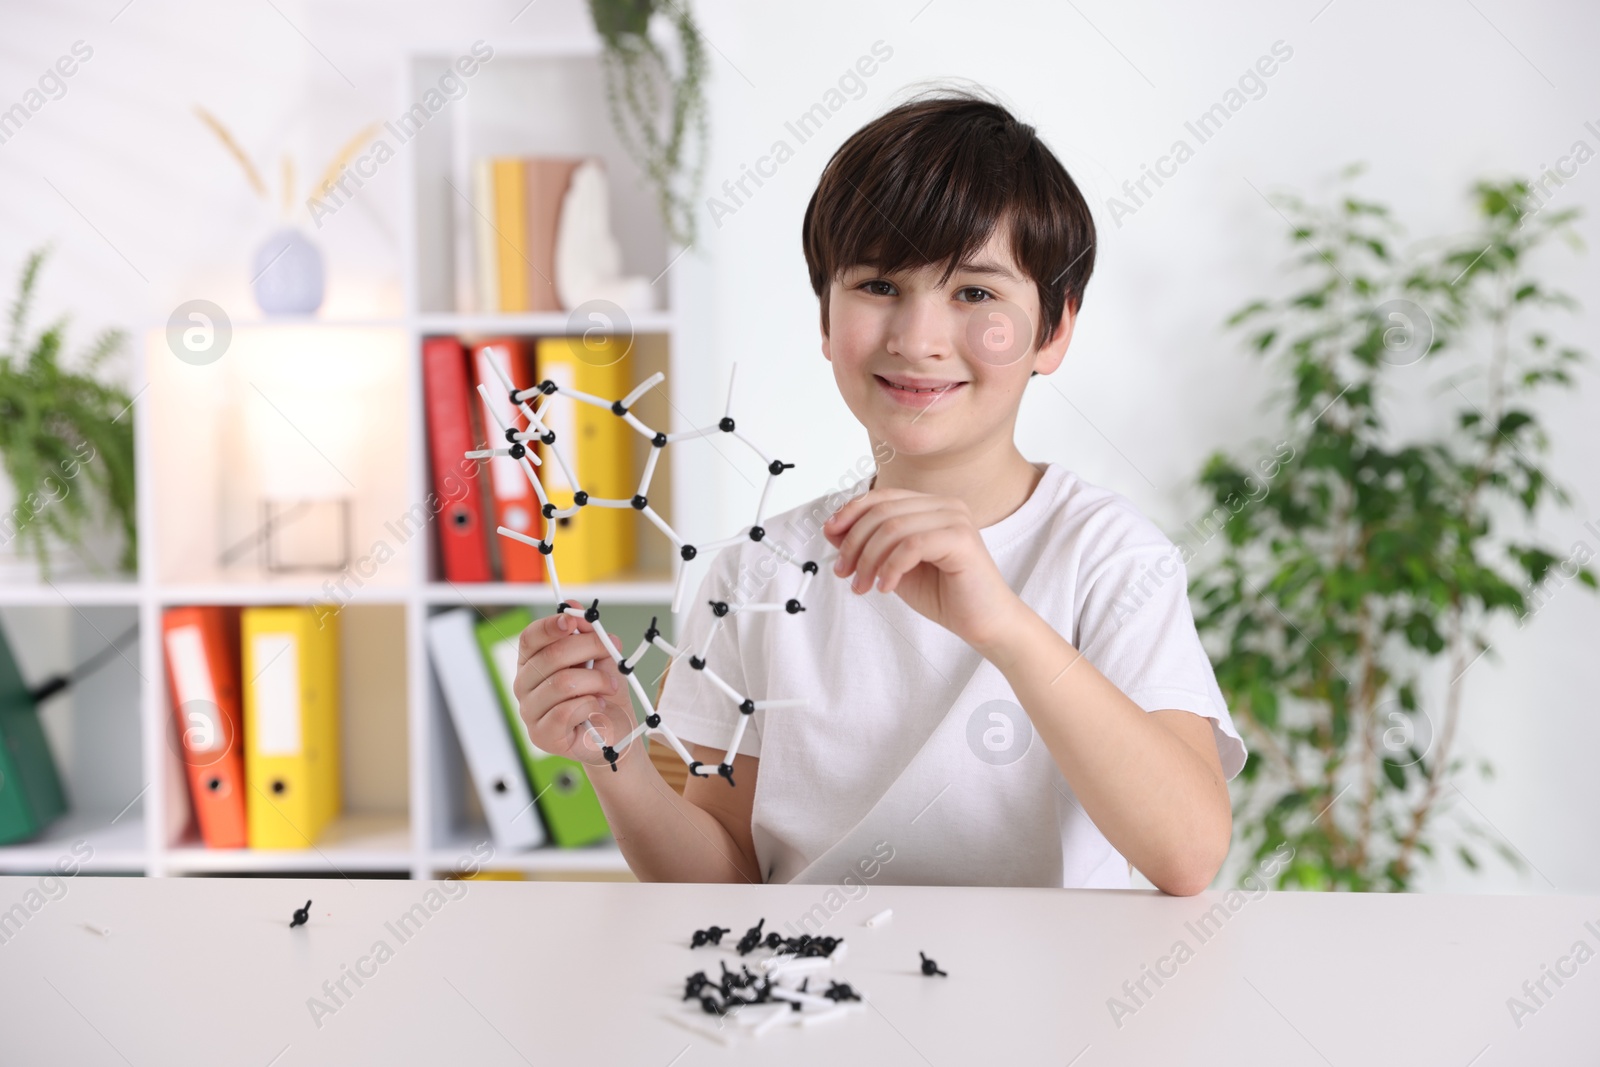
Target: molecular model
516, 441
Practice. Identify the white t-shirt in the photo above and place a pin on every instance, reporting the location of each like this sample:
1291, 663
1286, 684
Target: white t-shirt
912, 744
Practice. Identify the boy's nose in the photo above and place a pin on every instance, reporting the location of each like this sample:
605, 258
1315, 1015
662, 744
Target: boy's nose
921, 330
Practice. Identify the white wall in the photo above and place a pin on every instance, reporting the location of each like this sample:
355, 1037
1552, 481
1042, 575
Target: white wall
147, 212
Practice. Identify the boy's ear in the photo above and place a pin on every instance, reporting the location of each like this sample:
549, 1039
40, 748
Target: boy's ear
1055, 350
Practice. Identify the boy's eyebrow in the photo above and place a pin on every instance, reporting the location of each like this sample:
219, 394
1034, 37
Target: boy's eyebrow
985, 267
968, 267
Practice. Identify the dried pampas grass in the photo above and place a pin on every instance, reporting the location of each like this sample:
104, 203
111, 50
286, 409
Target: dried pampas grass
340, 160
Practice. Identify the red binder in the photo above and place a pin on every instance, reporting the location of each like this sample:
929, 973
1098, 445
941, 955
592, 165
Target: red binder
516, 506
450, 402
201, 645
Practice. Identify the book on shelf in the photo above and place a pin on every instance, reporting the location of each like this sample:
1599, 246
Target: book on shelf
527, 196
536, 236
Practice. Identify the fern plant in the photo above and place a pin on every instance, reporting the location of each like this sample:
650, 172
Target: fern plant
66, 437
1355, 590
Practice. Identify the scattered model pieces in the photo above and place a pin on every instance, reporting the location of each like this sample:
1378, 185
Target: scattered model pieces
710, 936
804, 945
882, 917
537, 429
301, 916
929, 967
781, 992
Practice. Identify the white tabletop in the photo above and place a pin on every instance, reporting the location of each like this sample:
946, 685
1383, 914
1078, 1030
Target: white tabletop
207, 971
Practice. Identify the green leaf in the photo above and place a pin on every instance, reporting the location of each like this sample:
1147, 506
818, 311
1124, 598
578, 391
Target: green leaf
1396, 773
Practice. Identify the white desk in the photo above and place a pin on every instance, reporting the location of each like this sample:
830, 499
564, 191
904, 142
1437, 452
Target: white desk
207, 971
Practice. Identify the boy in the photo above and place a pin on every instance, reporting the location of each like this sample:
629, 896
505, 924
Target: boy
1013, 599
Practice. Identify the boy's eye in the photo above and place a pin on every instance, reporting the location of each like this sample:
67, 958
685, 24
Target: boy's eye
969, 293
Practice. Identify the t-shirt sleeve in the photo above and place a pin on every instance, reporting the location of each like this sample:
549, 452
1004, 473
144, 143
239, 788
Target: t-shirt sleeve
1137, 628
691, 704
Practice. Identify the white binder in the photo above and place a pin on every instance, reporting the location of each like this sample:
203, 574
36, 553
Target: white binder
480, 724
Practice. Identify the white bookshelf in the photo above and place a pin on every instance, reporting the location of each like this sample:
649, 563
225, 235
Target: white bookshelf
409, 808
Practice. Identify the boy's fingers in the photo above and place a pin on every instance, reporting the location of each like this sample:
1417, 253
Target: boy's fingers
573, 682
851, 509
571, 650
912, 536
575, 720
901, 560
533, 637
570, 696
851, 549
890, 538
539, 633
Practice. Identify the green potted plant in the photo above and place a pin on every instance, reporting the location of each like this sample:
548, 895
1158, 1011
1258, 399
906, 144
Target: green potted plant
642, 90
66, 438
1360, 572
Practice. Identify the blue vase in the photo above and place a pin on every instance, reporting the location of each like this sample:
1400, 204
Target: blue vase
286, 274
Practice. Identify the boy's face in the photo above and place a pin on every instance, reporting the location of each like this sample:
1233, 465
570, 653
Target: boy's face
969, 343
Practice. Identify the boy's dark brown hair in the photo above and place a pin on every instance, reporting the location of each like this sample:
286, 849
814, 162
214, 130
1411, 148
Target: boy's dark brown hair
926, 183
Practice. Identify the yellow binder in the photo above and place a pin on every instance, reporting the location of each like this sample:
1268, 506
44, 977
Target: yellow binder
597, 542
290, 667
511, 220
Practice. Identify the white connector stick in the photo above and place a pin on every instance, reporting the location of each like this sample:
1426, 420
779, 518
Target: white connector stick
680, 585
797, 997
660, 524
882, 917
801, 967
642, 388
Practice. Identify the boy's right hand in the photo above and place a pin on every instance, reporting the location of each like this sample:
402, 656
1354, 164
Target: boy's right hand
555, 692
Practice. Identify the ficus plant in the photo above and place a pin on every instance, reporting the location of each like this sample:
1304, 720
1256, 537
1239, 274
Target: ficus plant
1356, 587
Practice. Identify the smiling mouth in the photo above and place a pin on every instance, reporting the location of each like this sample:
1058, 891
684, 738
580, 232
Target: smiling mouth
946, 387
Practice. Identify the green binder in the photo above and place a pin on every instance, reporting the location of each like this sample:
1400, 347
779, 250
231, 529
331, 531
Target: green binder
566, 799
30, 788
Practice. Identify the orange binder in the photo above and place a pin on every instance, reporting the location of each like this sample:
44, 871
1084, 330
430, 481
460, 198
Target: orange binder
202, 657
516, 506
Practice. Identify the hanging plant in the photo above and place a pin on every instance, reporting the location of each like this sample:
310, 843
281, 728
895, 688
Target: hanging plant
656, 112
62, 430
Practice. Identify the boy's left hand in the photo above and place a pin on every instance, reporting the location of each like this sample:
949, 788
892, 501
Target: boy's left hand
928, 549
